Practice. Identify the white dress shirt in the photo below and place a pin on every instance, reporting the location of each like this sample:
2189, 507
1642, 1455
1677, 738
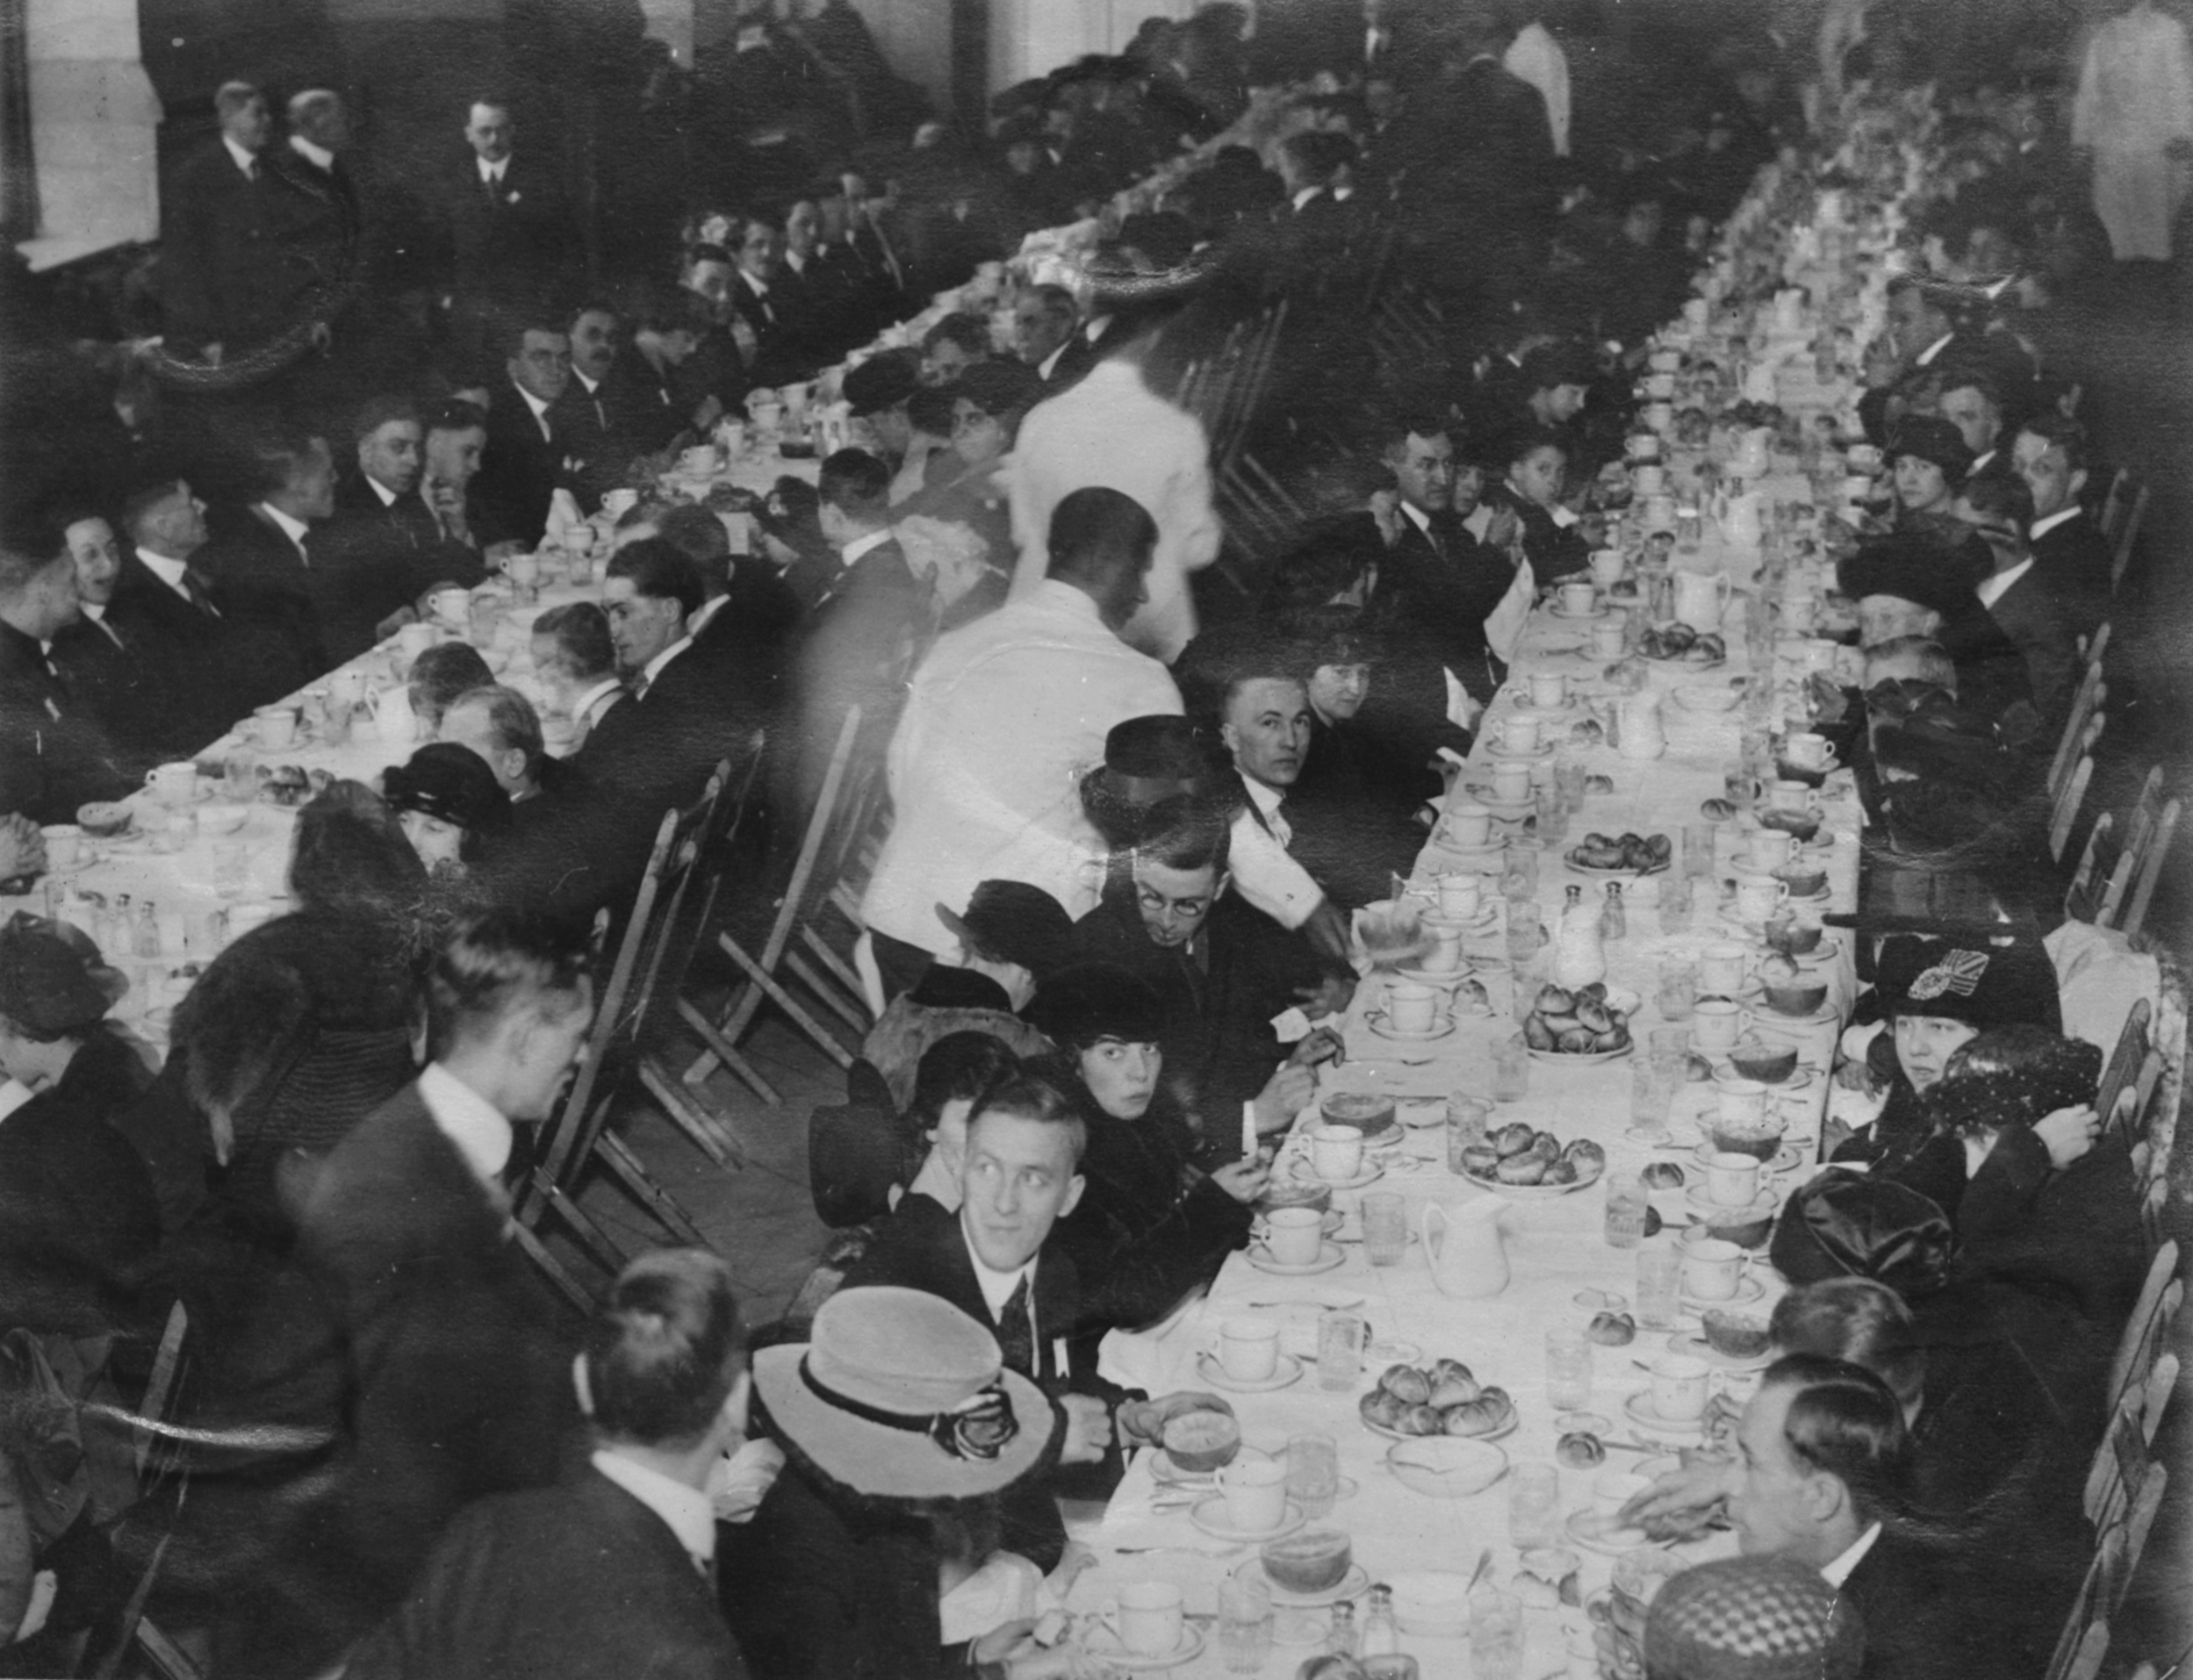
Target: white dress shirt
1000, 722
539, 409
320, 156
1535, 57
688, 1512
296, 529
490, 174
1839, 1571
2040, 528
653, 668
702, 613
1991, 590
247, 161
998, 1287
861, 545
469, 1121
1926, 356
1111, 430
169, 572
1263, 873
588, 708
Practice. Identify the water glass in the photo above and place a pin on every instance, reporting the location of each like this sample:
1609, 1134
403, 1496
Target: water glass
1519, 873
231, 864
240, 778
1245, 1625
1675, 904
1313, 1472
1698, 850
1567, 1369
1468, 1119
1533, 1505
1650, 1098
1525, 933
1385, 1228
1340, 1338
1496, 1634
1678, 994
1553, 815
1660, 1279
1511, 1069
1626, 1205
1568, 776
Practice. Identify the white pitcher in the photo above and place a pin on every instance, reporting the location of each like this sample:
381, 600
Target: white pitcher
1638, 721
1741, 524
1468, 1258
1699, 598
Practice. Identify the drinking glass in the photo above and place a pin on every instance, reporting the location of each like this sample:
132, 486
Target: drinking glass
1650, 1097
1567, 1370
1519, 873
1678, 994
1245, 1625
1698, 850
1626, 1205
485, 617
1659, 1275
1524, 933
1675, 904
1313, 1472
1553, 815
1385, 1228
1511, 1069
240, 778
1467, 1117
1340, 1337
1496, 1634
1568, 776
1533, 1505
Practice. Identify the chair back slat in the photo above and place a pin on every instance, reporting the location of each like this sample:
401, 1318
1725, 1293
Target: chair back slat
2087, 699
2149, 875
2127, 538
2159, 1297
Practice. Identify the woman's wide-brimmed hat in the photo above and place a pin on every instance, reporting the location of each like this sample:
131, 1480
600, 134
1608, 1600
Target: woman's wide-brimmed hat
900, 1395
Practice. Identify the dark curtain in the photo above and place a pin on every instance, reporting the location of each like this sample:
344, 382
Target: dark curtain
19, 175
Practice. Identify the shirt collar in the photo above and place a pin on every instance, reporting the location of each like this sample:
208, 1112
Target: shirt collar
381, 491
168, 572
540, 409
654, 667
706, 610
1927, 355
1839, 1571
295, 529
861, 545
608, 687
13, 1095
1044, 366
468, 1120
998, 1287
689, 1513
312, 154
490, 171
1266, 799
1305, 195
247, 161
1991, 590
1418, 517
2042, 527
760, 288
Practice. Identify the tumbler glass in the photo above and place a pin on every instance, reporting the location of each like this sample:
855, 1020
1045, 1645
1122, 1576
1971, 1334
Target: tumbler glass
1567, 1370
1525, 934
1659, 1278
1496, 1634
1533, 1505
1678, 994
1245, 1625
1511, 1069
1466, 1124
1650, 1097
1698, 850
1313, 1472
1385, 1228
1340, 1337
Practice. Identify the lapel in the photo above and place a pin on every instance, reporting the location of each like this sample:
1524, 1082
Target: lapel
1055, 1297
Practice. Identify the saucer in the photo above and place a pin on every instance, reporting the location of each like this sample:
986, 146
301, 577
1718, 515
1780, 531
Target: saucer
1512, 809
1210, 1515
1592, 617
1306, 1174
1353, 1585
1491, 852
1166, 1474
1785, 1158
1749, 1290
1375, 1019
1426, 977
1329, 1255
1589, 1530
1538, 753
1098, 1641
1698, 1348
1638, 1409
1696, 1195
1288, 1370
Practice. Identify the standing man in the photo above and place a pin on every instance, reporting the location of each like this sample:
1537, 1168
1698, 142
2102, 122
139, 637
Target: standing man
570, 1582
220, 283
1000, 719
508, 233
2133, 116
321, 224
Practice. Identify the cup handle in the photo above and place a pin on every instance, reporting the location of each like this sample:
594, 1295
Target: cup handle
151, 774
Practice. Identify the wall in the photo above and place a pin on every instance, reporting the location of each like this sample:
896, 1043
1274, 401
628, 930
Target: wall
1032, 38
94, 129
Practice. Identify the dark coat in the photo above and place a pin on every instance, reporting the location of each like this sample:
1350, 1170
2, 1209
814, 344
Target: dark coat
54, 755
579, 1580
779, 356
262, 581
508, 248
371, 555
2044, 627
123, 687
1350, 811
221, 277
521, 469
2074, 560
216, 657
77, 1220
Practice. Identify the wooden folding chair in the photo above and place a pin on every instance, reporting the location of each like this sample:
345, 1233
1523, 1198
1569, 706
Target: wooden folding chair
578, 1136
2160, 1296
2086, 1632
2081, 731
822, 960
2123, 1070
2116, 504
825, 831
2146, 852
2121, 1460
161, 1387
2086, 898
135, 1630
2128, 535
2083, 1660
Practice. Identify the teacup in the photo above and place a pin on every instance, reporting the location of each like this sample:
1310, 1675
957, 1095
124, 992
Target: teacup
1410, 1007
1548, 690
64, 844
274, 726
1256, 1491
1659, 512
452, 605
1249, 1347
1511, 783
1659, 385
1516, 734
1468, 824
1856, 488
1665, 361
1679, 1384
1717, 1023
1458, 896
1147, 1617
345, 687
1769, 849
1803, 880
1336, 1152
1732, 1179
617, 503
699, 462
1445, 956
1293, 1236
1721, 966
1577, 599
1863, 457
1712, 1267
1606, 640
1759, 896
1643, 446
1650, 480
173, 784
1787, 793
1659, 416
415, 639
1741, 1101
1607, 567
1806, 750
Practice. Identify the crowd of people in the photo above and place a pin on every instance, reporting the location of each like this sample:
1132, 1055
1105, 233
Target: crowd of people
1109, 920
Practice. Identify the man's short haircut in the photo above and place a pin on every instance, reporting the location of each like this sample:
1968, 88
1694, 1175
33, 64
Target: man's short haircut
595, 305
1187, 833
696, 254
144, 495
769, 216
696, 532
2003, 500
1398, 425
1097, 529
511, 719
1318, 153
377, 412
660, 570
494, 964
278, 454
1856, 1319
1971, 377
1256, 657
457, 415
1931, 660
31, 541
2060, 432
1526, 440
1029, 1098
231, 97
857, 485
308, 101
510, 333
442, 673
970, 333
672, 309
664, 1348
579, 632
1058, 302
1845, 1421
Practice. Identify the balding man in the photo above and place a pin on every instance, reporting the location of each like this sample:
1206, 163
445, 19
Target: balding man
221, 288
320, 221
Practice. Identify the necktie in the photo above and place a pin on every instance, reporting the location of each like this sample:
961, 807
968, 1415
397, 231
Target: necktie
1016, 1333
201, 596
639, 682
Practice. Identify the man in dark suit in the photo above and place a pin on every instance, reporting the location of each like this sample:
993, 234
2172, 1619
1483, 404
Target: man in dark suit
261, 554
125, 688
747, 614
2037, 622
576, 662
222, 288
319, 226
54, 755
1044, 323
508, 230
766, 299
613, 1566
2069, 551
527, 459
434, 1363
586, 416
374, 551
687, 713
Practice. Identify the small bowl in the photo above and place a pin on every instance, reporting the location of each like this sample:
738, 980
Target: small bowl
1200, 1442
1433, 1601
1446, 1467
1793, 938
222, 816
1804, 881
1802, 824
1760, 1139
1295, 1193
103, 819
1795, 999
1738, 1335
1366, 1111
1314, 1560
1769, 1063
1745, 1227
